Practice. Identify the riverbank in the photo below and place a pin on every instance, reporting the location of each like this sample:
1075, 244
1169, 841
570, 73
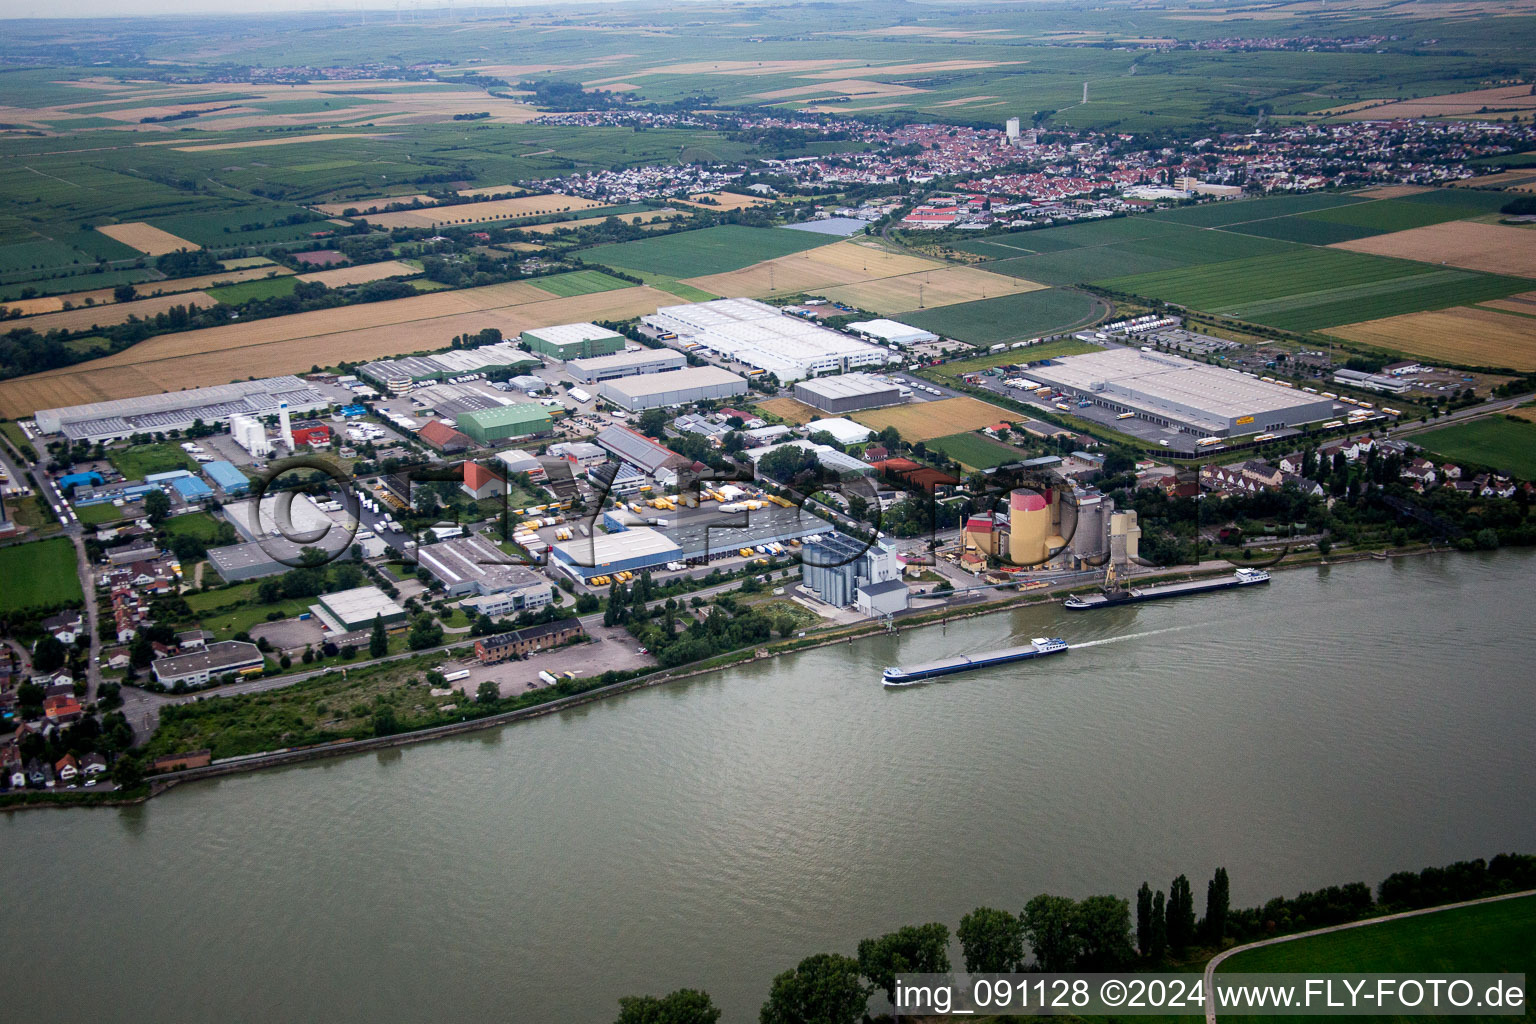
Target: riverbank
161, 783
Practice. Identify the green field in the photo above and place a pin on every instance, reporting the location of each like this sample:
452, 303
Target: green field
974, 451
263, 288
1008, 318
1502, 442
138, 461
1031, 354
580, 282
1490, 937
706, 251
199, 524
38, 575
102, 512
1241, 211
1310, 289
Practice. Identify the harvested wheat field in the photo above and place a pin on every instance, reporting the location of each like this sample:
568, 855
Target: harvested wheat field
790, 410
1504, 98
726, 201
856, 88
361, 274
292, 344
1465, 335
283, 140
1522, 180
146, 238
103, 296
930, 288
1525, 412
1494, 248
476, 213
86, 317
924, 421
650, 217
1525, 302
814, 270
1395, 191
370, 205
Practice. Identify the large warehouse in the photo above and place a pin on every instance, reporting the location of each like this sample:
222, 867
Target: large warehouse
176, 410
398, 374
626, 364
1177, 392
680, 387
766, 338
487, 426
574, 341
849, 392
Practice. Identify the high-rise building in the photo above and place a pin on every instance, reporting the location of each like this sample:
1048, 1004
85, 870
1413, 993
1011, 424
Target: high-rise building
1013, 131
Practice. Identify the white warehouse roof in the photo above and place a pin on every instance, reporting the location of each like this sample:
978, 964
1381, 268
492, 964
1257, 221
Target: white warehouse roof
843, 429
893, 332
765, 338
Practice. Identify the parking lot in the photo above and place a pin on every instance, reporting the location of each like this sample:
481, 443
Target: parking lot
613, 649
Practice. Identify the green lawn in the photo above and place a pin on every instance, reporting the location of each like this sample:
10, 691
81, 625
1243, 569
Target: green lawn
95, 515
671, 285
1501, 441
12, 430
579, 282
38, 575
200, 525
263, 288
975, 451
139, 461
706, 251
1487, 938
1007, 317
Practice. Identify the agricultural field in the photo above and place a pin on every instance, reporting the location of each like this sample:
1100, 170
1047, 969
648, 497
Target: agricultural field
689, 254
973, 451
1317, 288
1493, 248
1463, 335
294, 343
924, 421
1503, 442
361, 274
138, 461
146, 289
1010, 318
265, 288
146, 238
39, 575
815, 270
580, 282
480, 213
942, 287
84, 318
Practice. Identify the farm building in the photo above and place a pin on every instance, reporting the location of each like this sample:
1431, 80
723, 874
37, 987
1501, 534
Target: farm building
573, 341
487, 426
443, 437
1177, 392
680, 387
626, 364
849, 392
892, 332
480, 482
177, 410
765, 338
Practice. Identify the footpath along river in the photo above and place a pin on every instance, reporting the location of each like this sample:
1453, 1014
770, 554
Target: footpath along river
1342, 723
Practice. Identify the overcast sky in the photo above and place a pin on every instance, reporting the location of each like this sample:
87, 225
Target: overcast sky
120, 8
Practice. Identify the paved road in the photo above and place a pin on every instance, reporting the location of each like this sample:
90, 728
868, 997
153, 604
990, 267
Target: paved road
1471, 412
92, 614
1217, 960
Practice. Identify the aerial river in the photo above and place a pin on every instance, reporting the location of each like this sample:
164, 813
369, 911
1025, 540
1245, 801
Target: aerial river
1337, 725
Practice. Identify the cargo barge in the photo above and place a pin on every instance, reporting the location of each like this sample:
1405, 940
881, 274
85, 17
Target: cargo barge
1135, 595
1039, 647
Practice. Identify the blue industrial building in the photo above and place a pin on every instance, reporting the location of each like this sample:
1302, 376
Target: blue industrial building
230, 480
77, 479
191, 488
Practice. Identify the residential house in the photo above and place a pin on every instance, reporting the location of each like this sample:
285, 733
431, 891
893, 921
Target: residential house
92, 764
66, 768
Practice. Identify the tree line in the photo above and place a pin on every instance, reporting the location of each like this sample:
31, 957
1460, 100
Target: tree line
1054, 934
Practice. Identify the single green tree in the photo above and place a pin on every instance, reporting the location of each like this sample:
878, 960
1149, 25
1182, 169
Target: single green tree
914, 949
1144, 919
1102, 925
49, 655
156, 507
1218, 901
991, 940
1049, 925
1159, 947
685, 1006
823, 989
488, 692
378, 640
1181, 916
